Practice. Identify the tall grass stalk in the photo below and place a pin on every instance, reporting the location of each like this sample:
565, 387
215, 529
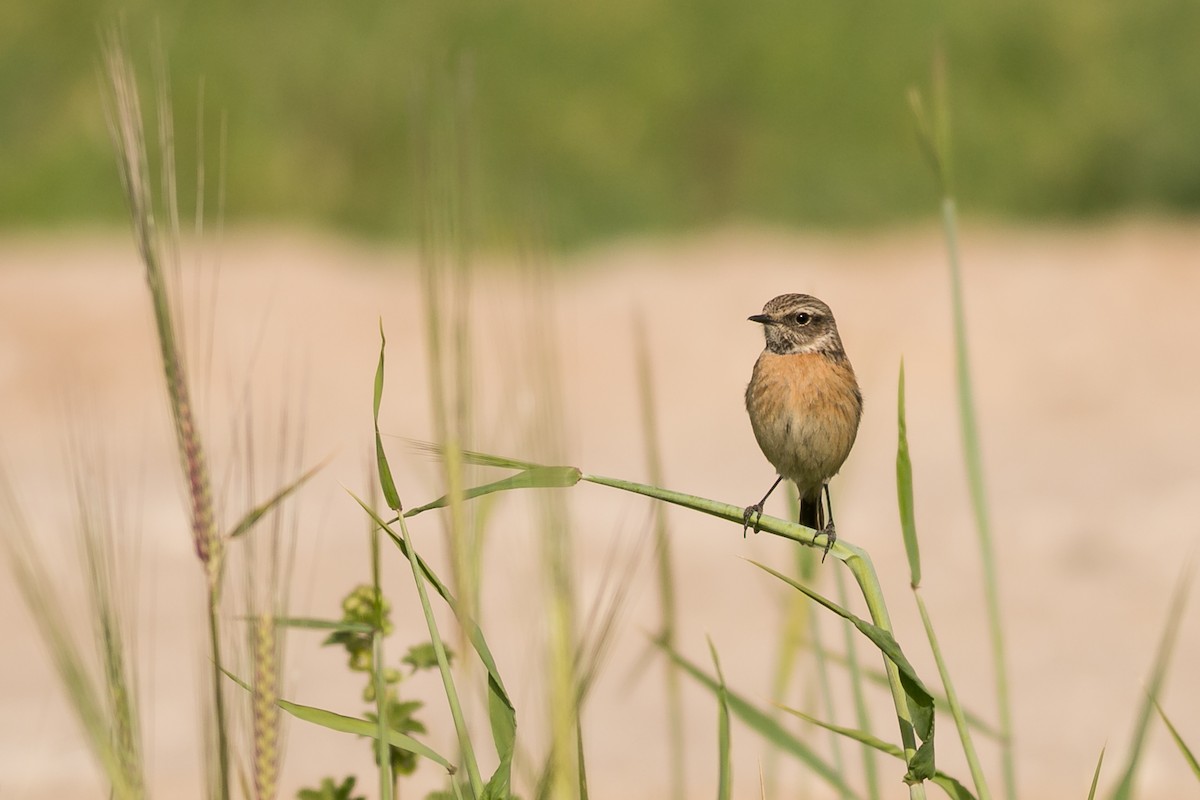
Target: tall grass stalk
665, 571
267, 537
934, 135
724, 760
387, 781
799, 625
124, 112
460, 723
825, 691
861, 714
908, 524
1158, 676
442, 148
555, 545
105, 704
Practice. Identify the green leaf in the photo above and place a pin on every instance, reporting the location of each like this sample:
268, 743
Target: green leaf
255, 514
501, 714
360, 727
724, 766
952, 786
532, 478
920, 701
1183, 748
474, 457
328, 790
863, 737
904, 488
763, 724
423, 656
390, 495
1165, 647
338, 625
881, 639
1096, 775
879, 678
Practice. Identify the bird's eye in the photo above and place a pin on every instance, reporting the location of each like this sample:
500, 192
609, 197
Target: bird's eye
803, 318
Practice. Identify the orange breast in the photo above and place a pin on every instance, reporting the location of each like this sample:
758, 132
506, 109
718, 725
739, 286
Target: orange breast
805, 410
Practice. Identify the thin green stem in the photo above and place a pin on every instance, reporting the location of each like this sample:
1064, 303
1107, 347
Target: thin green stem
835, 741
860, 566
383, 753
870, 771
956, 709
214, 640
974, 462
665, 569
439, 649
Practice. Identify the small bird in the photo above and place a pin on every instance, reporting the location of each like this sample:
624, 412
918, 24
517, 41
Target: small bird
804, 405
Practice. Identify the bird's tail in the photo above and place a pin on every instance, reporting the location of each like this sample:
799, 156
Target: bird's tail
812, 513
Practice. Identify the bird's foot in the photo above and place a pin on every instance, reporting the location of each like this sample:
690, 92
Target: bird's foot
753, 512
830, 534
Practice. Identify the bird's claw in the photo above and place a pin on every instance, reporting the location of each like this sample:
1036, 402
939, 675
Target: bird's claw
752, 512
830, 534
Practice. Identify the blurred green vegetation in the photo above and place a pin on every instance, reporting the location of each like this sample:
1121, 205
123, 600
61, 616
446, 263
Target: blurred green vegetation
623, 116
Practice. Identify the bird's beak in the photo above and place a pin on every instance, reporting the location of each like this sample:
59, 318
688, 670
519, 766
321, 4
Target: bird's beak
760, 318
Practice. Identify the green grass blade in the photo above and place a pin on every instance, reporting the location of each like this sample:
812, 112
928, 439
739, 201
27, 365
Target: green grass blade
1183, 748
934, 136
762, 723
1165, 647
335, 625
579, 756
779, 527
878, 677
533, 478
881, 638
956, 710
472, 456
359, 727
258, 512
1096, 775
724, 765
387, 779
862, 737
904, 488
919, 700
861, 713
904, 495
362, 727
665, 568
460, 725
952, 786
501, 713
386, 482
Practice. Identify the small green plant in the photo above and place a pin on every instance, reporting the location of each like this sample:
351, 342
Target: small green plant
328, 790
362, 608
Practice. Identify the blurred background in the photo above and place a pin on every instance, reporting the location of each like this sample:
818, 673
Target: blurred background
634, 116
660, 163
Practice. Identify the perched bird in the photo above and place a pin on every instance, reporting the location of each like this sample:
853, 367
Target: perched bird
804, 404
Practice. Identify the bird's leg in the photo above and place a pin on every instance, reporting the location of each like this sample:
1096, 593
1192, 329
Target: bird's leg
829, 530
755, 511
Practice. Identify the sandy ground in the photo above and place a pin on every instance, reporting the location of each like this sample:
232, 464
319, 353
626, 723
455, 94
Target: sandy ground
1087, 379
